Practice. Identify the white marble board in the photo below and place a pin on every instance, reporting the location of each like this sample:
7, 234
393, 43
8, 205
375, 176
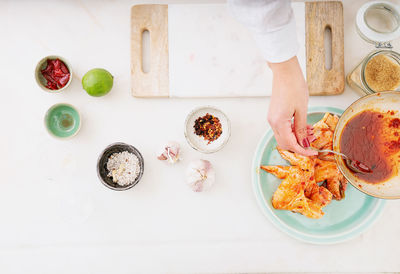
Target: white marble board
213, 55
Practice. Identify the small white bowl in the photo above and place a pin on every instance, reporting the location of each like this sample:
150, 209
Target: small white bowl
41, 81
198, 142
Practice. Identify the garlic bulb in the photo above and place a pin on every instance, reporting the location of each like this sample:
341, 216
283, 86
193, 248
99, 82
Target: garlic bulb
170, 153
200, 175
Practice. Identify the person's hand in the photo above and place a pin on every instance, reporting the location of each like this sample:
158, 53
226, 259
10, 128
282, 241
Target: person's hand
289, 100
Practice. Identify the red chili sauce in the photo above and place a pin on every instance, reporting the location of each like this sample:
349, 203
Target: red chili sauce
371, 137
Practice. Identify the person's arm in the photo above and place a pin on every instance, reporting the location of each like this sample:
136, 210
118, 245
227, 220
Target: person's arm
290, 100
272, 24
274, 28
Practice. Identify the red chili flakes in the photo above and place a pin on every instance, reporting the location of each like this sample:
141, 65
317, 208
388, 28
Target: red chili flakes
56, 73
209, 127
395, 122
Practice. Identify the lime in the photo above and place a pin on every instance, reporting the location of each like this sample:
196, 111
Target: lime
97, 82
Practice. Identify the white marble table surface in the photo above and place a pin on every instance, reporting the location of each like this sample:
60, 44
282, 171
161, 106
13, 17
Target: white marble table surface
56, 217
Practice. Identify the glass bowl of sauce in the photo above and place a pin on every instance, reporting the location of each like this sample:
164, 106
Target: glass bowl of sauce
369, 131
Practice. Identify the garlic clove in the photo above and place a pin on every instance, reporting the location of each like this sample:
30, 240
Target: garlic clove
170, 153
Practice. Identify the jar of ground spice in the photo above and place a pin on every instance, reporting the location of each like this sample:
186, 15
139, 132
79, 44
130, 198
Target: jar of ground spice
378, 22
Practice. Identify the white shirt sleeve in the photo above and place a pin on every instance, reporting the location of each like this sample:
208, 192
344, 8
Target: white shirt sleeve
273, 25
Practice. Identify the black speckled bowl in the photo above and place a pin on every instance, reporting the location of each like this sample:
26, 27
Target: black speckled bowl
102, 170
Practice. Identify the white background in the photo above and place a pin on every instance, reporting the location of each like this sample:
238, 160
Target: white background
56, 217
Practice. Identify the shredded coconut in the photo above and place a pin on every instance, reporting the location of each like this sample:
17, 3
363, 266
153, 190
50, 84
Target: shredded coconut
123, 167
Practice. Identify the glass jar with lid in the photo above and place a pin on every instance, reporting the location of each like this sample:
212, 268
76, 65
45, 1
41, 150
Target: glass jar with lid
377, 22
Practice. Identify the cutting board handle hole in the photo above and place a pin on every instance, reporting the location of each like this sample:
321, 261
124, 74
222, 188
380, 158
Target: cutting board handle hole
146, 51
328, 47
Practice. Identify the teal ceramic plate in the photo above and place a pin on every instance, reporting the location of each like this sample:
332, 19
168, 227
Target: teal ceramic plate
62, 121
343, 220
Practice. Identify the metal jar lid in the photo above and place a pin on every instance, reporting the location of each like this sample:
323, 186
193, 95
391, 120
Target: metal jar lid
378, 22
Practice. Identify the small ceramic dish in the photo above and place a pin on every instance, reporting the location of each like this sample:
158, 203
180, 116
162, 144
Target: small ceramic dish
41, 81
62, 121
102, 170
198, 142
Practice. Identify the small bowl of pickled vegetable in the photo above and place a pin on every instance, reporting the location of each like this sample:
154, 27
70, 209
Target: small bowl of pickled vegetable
207, 129
53, 74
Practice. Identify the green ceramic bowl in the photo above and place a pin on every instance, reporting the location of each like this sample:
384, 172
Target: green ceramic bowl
62, 121
343, 220
41, 81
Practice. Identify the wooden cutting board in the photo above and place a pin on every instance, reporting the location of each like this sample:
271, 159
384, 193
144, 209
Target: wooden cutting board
319, 17
199, 50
